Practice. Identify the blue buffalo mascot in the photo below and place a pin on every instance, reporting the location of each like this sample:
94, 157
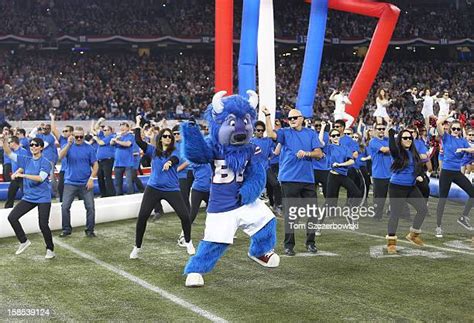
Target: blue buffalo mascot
238, 180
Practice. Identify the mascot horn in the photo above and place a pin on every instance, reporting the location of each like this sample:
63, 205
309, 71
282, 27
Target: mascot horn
238, 180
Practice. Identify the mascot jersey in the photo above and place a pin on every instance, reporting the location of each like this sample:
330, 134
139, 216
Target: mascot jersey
225, 186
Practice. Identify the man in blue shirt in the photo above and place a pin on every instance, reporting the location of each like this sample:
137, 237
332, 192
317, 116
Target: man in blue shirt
17, 183
24, 142
7, 163
50, 151
299, 146
105, 156
123, 162
78, 180
381, 162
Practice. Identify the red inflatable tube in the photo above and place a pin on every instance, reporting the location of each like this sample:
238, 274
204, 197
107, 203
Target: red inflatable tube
388, 16
224, 45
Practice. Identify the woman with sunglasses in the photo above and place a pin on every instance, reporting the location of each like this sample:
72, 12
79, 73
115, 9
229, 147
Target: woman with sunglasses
340, 159
454, 147
406, 170
35, 172
162, 185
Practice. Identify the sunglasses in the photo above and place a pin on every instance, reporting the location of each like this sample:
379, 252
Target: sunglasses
355, 137
455, 129
259, 130
337, 127
317, 125
470, 134
176, 133
348, 133
294, 118
380, 129
64, 131
34, 144
407, 138
167, 136
335, 136
79, 137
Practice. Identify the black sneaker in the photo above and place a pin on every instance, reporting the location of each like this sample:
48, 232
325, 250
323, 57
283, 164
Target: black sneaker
464, 221
311, 248
90, 234
64, 234
289, 252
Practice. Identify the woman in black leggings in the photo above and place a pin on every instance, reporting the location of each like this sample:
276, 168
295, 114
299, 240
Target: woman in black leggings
340, 158
454, 147
406, 171
35, 172
163, 184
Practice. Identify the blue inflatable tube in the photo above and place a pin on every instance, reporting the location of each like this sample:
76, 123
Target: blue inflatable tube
248, 47
312, 57
4, 188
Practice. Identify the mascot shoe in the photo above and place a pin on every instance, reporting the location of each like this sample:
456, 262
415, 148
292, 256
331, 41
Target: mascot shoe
269, 260
194, 280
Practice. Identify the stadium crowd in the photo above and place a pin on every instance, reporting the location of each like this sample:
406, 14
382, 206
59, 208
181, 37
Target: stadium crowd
166, 17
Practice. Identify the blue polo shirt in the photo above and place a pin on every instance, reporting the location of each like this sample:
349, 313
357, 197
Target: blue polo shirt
293, 169
50, 152
160, 179
451, 159
405, 176
124, 155
80, 159
25, 143
266, 150
323, 163
20, 152
359, 163
63, 142
381, 162
35, 192
339, 154
105, 151
421, 148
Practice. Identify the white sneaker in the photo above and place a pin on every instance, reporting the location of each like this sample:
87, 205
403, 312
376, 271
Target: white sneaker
135, 252
190, 248
317, 232
181, 240
194, 280
50, 254
270, 259
23, 247
438, 232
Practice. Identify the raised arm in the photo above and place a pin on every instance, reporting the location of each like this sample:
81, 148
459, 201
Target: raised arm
54, 129
441, 120
321, 134
333, 96
139, 140
63, 152
268, 123
392, 145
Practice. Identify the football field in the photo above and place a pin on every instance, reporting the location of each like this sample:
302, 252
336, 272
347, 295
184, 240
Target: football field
351, 278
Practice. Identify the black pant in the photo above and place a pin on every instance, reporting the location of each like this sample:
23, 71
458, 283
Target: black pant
150, 198
445, 179
185, 188
61, 185
399, 195
104, 177
137, 181
43, 212
13, 188
274, 192
321, 176
365, 174
424, 187
334, 184
7, 172
380, 195
296, 190
196, 198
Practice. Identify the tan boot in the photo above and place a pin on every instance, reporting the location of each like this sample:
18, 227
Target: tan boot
414, 237
391, 244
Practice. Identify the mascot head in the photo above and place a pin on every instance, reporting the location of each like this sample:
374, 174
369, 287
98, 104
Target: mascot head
231, 119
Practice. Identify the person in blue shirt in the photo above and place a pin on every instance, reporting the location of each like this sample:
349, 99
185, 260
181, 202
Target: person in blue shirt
123, 162
82, 167
105, 156
34, 171
406, 171
468, 160
454, 147
340, 158
201, 187
24, 141
266, 148
62, 140
50, 151
137, 182
7, 163
321, 166
299, 146
379, 152
17, 183
162, 185
423, 186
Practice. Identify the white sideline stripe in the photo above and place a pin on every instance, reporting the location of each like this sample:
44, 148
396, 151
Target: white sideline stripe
408, 242
173, 298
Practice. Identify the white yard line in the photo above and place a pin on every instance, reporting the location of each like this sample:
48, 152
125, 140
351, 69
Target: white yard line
403, 241
173, 298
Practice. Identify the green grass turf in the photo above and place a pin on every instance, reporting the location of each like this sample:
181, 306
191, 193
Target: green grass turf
350, 286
